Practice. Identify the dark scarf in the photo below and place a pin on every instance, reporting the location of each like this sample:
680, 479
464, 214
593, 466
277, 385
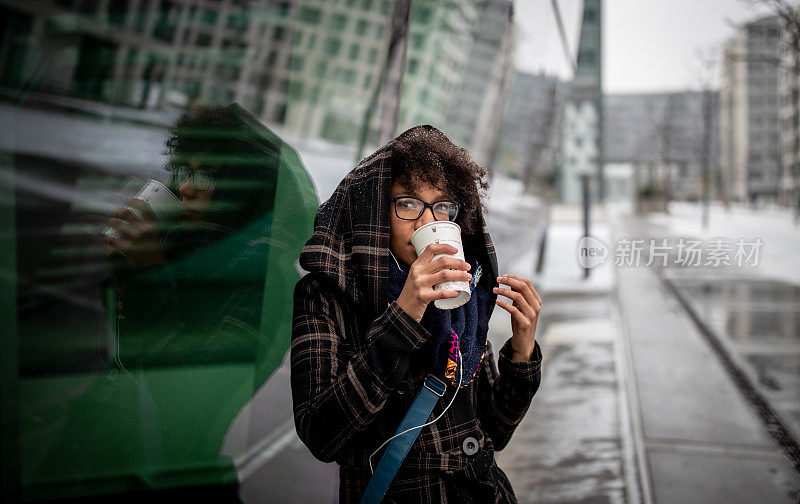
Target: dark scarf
463, 328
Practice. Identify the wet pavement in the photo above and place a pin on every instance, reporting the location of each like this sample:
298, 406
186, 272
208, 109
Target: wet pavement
699, 437
758, 323
572, 446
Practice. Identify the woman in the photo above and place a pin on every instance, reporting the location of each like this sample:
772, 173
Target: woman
365, 333
193, 292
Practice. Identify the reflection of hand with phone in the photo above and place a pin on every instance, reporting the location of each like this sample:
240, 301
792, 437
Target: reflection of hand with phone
138, 245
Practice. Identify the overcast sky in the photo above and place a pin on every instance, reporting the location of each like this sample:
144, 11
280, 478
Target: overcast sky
649, 45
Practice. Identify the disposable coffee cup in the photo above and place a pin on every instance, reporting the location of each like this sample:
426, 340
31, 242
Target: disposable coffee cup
450, 233
163, 203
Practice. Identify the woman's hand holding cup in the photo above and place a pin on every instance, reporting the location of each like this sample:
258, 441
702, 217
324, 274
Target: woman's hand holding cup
425, 273
139, 242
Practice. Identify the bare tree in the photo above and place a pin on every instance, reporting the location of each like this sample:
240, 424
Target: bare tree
708, 65
668, 136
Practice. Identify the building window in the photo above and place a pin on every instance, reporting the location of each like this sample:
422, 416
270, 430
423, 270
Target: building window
354, 50
295, 90
367, 81
117, 10
421, 15
586, 57
338, 22
309, 15
413, 65
209, 17
297, 63
332, 46
362, 26
348, 76
373, 56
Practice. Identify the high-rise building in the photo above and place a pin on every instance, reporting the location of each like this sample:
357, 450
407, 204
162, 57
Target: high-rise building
583, 114
750, 154
480, 100
339, 48
438, 50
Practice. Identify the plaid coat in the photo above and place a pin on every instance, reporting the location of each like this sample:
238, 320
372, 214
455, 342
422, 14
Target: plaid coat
356, 368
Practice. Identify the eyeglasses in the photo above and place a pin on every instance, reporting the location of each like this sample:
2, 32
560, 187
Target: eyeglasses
201, 179
408, 208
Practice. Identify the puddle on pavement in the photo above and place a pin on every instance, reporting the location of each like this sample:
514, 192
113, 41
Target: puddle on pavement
746, 311
761, 319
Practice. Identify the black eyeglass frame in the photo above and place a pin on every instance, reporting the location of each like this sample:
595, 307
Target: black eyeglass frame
425, 206
183, 172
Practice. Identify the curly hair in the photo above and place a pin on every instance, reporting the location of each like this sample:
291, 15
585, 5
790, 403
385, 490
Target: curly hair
216, 135
425, 154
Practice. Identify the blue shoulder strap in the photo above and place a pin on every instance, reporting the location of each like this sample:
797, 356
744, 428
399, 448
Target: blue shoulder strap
396, 452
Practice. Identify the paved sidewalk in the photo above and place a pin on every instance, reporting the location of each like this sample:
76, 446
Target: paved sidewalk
574, 444
698, 440
634, 405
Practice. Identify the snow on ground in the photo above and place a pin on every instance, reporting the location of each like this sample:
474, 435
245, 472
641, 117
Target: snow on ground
562, 271
779, 255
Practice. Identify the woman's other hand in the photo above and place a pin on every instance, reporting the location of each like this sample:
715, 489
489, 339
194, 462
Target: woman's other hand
524, 311
425, 273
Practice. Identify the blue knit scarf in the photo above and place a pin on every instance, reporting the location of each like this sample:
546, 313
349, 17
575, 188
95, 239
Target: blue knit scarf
463, 328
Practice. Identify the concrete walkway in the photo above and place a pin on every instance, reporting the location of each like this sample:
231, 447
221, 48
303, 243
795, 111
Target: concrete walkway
634, 405
574, 444
697, 438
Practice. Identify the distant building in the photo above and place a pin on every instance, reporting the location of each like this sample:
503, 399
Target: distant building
583, 115
750, 151
477, 111
660, 135
530, 137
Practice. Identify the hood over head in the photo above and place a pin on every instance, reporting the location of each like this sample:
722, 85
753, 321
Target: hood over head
350, 245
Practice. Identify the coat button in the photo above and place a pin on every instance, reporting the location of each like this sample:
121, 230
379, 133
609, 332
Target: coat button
470, 446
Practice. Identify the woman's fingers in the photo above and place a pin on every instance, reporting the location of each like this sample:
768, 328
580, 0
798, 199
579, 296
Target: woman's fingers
522, 285
449, 275
512, 310
123, 227
435, 249
530, 286
126, 214
443, 294
143, 208
519, 301
447, 263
